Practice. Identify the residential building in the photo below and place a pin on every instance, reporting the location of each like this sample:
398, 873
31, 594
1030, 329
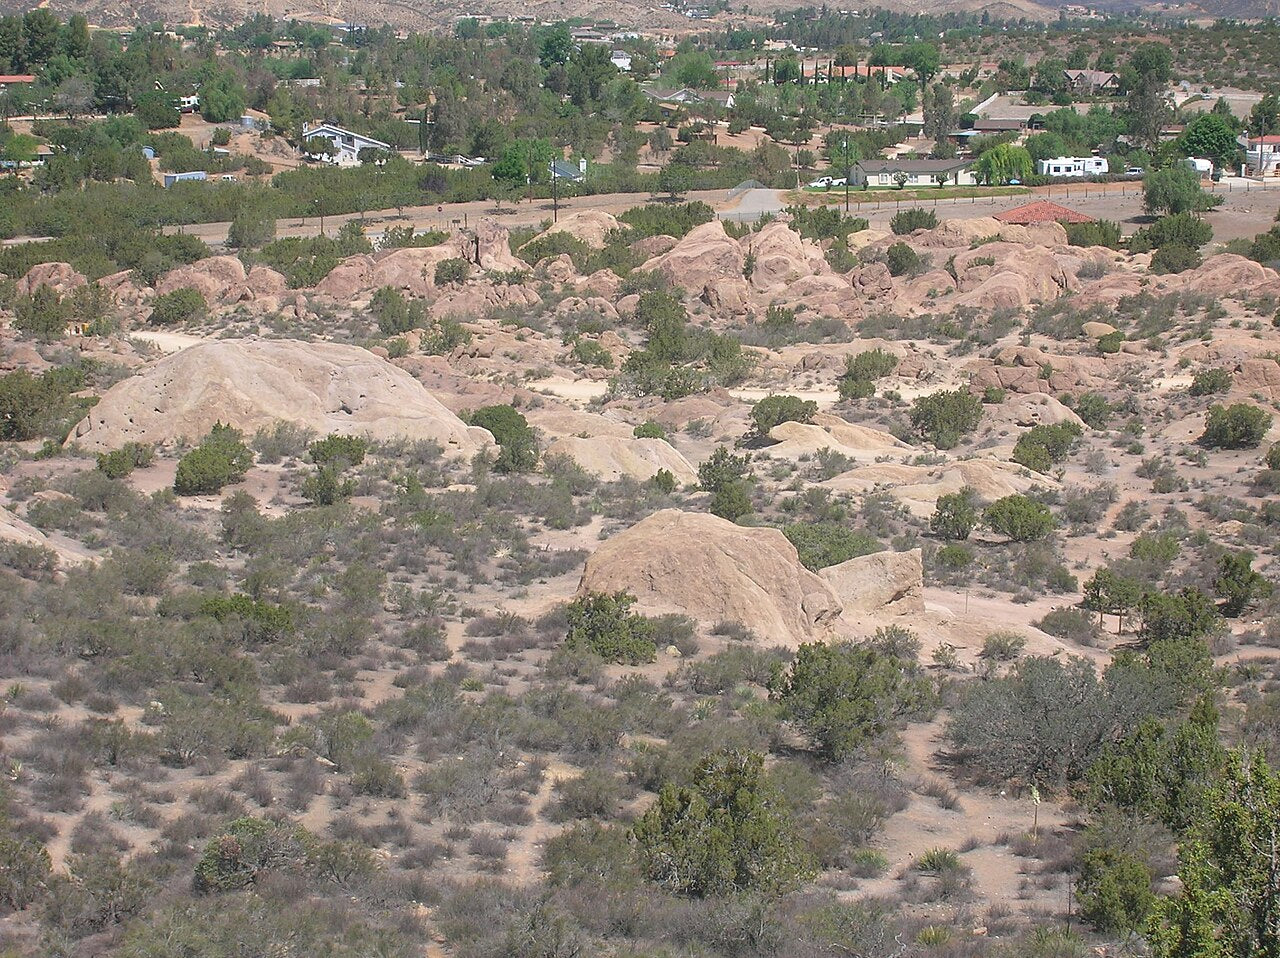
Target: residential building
1091, 82
1261, 155
1074, 167
989, 124
563, 170
1041, 211
8, 80
171, 178
874, 173
621, 59
346, 144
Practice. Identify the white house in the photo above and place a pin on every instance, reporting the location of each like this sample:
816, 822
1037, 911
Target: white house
346, 144
1262, 155
621, 59
1073, 166
875, 173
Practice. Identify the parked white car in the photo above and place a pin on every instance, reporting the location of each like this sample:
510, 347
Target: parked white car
827, 181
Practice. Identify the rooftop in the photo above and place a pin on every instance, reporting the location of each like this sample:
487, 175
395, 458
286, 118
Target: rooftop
1041, 211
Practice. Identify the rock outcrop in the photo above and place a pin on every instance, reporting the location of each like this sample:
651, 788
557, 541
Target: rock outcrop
889, 583
706, 254
62, 278
613, 457
713, 570
251, 384
591, 226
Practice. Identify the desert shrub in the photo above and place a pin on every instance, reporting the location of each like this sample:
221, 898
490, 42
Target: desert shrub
901, 259
1093, 409
249, 230
858, 381
338, 450
649, 430
1098, 233
33, 406
824, 222
1045, 721
245, 851
1115, 891
120, 462
910, 220
1110, 343
1238, 426
772, 410
1206, 382
180, 306
395, 314
1002, 646
1040, 447
823, 544
955, 515
449, 271
844, 695
1175, 259
221, 459
666, 219
1072, 624
724, 832
943, 417
550, 245
1019, 518
517, 445
604, 625
24, 872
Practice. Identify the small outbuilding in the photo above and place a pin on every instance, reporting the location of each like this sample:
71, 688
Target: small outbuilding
1041, 211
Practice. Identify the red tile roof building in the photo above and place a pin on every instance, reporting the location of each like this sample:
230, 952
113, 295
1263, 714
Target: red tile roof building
1041, 211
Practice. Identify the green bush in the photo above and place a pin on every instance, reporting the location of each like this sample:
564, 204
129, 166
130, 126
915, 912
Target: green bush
823, 544
901, 259
1209, 381
725, 832
250, 230
221, 459
1238, 426
1019, 518
910, 220
452, 271
341, 451
774, 410
955, 515
1115, 891
180, 306
1273, 456
517, 444
1174, 259
861, 372
844, 695
604, 625
1109, 343
120, 462
649, 430
664, 219
34, 406
731, 501
1040, 447
394, 313
1097, 233
943, 417
249, 848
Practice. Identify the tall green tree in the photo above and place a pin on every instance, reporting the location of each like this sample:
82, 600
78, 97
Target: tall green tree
1229, 906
